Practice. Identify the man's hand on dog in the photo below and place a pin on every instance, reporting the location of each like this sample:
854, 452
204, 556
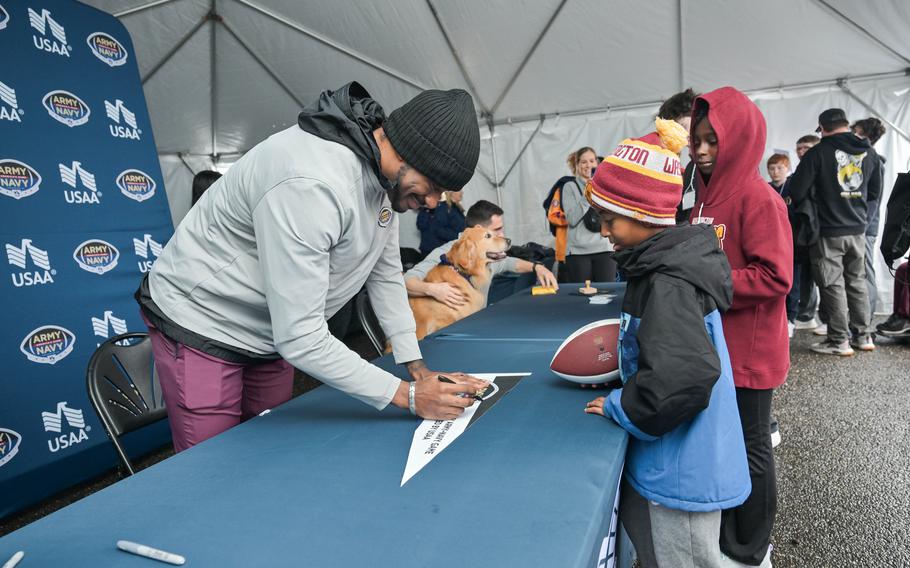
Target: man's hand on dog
448, 294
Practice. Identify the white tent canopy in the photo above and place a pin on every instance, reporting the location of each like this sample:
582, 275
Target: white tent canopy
547, 76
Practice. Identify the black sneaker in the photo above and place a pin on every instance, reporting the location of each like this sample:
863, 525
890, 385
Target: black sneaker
894, 325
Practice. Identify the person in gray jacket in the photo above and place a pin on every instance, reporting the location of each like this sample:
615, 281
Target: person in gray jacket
293, 230
588, 255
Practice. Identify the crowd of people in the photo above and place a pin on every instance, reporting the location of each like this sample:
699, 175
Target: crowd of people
721, 265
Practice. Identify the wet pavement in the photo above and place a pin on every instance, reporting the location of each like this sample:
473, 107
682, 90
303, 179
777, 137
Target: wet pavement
843, 466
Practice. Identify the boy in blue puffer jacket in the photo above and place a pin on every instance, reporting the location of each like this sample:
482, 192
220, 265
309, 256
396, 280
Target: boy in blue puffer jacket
686, 459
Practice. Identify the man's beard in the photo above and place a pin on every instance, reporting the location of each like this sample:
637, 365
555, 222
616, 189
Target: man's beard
395, 192
396, 200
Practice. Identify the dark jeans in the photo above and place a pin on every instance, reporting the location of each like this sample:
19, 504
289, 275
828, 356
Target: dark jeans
793, 295
599, 267
745, 532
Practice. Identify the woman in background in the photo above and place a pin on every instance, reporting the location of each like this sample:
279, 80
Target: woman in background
442, 224
588, 255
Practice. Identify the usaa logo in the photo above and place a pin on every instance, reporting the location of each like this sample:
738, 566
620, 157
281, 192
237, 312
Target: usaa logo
9, 442
4, 18
75, 175
43, 23
107, 49
9, 106
48, 344
96, 256
123, 119
40, 271
136, 185
18, 179
149, 249
66, 107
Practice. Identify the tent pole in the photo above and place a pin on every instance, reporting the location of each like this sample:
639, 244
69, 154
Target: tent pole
900, 132
185, 163
456, 56
843, 17
523, 148
496, 183
791, 87
213, 88
682, 45
527, 58
334, 45
140, 8
268, 69
175, 49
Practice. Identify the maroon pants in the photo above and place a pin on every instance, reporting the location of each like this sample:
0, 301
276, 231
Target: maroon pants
205, 395
902, 291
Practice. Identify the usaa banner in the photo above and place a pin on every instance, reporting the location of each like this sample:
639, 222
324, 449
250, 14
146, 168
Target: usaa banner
83, 215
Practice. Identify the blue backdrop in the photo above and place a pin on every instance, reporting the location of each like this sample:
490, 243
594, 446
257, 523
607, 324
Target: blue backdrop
83, 215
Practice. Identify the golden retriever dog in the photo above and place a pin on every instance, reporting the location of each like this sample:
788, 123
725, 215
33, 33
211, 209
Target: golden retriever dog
467, 268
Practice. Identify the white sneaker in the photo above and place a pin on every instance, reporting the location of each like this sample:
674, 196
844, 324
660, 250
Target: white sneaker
808, 324
863, 343
791, 328
828, 347
821, 330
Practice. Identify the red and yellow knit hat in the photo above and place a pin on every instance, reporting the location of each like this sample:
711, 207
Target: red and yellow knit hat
642, 179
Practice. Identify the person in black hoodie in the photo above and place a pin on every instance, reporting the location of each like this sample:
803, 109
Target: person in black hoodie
839, 176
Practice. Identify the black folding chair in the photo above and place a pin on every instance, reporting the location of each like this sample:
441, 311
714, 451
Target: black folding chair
370, 323
123, 387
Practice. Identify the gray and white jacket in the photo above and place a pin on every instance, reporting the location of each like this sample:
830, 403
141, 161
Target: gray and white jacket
580, 240
278, 245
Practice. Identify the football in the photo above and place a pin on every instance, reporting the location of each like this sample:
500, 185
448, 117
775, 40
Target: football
590, 354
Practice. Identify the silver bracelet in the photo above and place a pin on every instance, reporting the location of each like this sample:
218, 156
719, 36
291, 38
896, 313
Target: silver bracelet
412, 391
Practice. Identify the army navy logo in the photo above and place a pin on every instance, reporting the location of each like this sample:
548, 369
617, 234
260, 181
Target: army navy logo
96, 256
9, 445
136, 185
17, 179
4, 18
67, 108
48, 344
107, 49
385, 217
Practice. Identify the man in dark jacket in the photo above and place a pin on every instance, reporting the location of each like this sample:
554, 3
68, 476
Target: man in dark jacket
840, 176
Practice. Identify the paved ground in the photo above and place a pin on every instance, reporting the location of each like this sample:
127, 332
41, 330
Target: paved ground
843, 466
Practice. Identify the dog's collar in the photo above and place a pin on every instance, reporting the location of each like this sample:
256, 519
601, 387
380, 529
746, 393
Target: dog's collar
444, 261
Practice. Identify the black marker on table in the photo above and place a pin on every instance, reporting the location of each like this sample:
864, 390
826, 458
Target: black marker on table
443, 379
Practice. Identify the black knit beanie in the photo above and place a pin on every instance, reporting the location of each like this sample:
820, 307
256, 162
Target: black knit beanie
436, 133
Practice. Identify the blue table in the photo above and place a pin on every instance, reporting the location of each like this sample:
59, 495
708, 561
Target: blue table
316, 481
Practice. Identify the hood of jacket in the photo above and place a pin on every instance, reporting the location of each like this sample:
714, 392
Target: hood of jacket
688, 252
741, 133
347, 116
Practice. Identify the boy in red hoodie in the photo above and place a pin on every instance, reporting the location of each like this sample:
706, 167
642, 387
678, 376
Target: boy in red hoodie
727, 142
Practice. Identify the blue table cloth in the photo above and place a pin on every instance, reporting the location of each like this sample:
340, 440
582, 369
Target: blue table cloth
315, 482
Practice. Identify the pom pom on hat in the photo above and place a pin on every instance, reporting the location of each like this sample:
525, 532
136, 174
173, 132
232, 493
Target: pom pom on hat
673, 136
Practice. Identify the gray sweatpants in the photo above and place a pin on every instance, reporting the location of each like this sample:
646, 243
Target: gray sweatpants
871, 284
670, 538
839, 266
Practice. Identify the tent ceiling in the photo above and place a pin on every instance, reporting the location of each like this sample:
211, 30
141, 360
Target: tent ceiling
593, 54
